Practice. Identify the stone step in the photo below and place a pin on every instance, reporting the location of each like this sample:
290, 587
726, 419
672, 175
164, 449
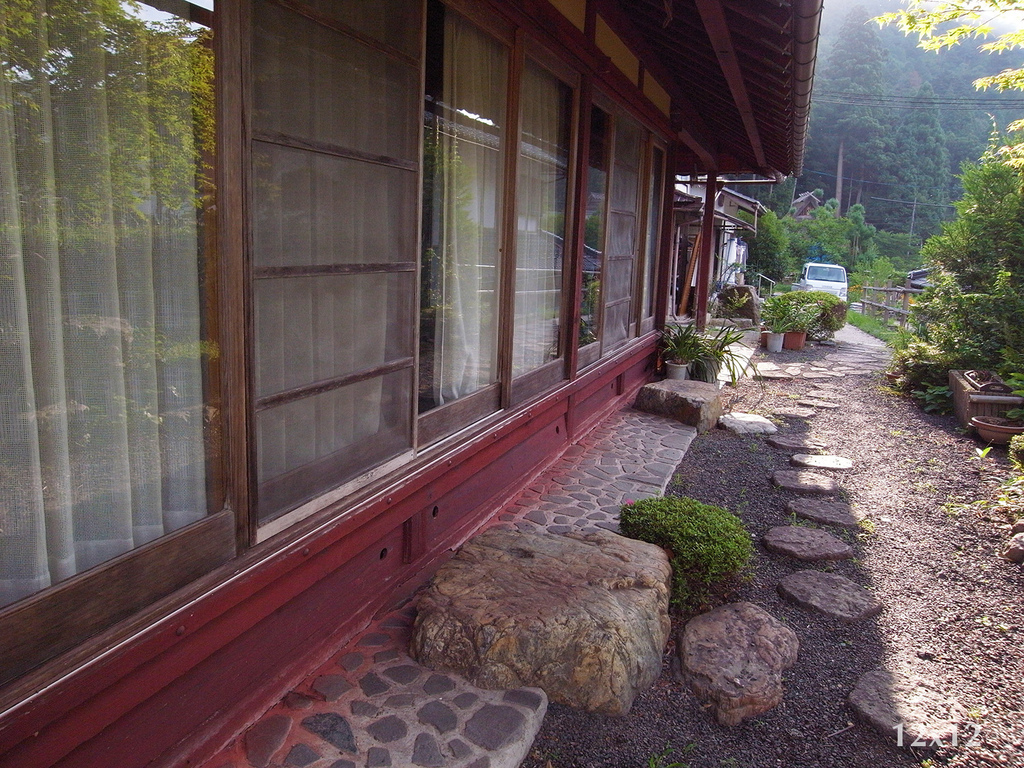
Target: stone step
735, 656
808, 544
826, 405
831, 594
796, 413
825, 512
696, 403
803, 481
904, 707
819, 461
747, 424
797, 444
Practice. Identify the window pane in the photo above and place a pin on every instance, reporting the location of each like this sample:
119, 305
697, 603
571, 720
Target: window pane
593, 238
621, 257
314, 209
321, 441
394, 22
312, 329
653, 229
105, 152
331, 224
313, 83
463, 165
540, 206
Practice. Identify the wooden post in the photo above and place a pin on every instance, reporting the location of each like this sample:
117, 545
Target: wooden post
707, 244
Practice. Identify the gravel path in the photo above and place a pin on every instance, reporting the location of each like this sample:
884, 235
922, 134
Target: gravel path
952, 608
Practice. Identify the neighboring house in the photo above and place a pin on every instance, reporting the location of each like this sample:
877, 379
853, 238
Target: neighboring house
729, 251
804, 206
297, 293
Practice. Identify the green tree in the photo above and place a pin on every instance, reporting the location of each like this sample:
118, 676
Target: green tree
767, 249
846, 139
940, 25
918, 173
972, 314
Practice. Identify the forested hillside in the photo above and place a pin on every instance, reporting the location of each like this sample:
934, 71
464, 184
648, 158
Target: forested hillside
904, 118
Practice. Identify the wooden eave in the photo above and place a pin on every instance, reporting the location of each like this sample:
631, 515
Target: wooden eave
739, 73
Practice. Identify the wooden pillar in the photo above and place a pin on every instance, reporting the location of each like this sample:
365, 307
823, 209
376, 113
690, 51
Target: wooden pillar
707, 245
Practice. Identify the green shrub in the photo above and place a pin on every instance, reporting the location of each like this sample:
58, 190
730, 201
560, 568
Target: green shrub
830, 311
706, 543
1017, 452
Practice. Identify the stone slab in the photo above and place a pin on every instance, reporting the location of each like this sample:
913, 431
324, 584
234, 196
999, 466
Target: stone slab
822, 404
797, 444
825, 512
747, 424
906, 708
735, 656
808, 544
831, 594
695, 403
795, 413
820, 461
804, 481
583, 616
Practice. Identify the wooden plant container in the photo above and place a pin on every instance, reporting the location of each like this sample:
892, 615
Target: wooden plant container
969, 401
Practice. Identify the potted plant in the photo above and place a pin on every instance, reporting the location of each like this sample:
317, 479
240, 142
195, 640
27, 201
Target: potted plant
716, 351
999, 430
777, 319
680, 345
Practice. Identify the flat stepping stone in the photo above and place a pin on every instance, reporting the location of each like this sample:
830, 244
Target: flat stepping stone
747, 424
797, 444
770, 374
823, 404
806, 543
825, 512
831, 594
734, 656
906, 708
796, 413
804, 481
820, 462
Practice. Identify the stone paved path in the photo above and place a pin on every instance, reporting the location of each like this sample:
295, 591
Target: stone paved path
371, 705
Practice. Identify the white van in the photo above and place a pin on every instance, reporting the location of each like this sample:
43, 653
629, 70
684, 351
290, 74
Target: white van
830, 278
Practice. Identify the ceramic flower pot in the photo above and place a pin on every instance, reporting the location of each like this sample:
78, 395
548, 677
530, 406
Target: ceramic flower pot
677, 370
794, 340
775, 341
996, 430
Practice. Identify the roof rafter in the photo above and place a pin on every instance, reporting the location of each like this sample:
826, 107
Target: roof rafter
712, 13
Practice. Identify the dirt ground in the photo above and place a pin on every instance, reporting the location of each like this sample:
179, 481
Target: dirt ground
952, 608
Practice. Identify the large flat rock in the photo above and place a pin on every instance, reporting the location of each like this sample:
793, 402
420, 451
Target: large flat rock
904, 707
797, 444
734, 656
825, 512
808, 544
584, 617
817, 461
831, 594
747, 424
804, 481
696, 403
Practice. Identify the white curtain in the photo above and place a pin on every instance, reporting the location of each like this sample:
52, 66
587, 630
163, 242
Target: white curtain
470, 141
540, 208
101, 391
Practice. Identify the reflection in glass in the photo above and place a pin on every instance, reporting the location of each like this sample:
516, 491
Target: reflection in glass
463, 162
106, 135
540, 207
593, 237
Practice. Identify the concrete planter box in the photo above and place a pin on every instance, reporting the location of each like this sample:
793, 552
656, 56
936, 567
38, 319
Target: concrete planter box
969, 401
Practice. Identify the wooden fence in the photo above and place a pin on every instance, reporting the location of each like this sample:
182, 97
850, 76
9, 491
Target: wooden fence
892, 304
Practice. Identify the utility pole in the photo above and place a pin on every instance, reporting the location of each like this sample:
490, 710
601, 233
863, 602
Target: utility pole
839, 180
